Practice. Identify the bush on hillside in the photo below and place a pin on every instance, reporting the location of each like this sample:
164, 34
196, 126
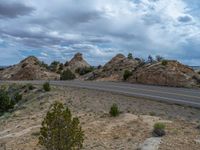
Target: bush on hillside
6, 103
85, 70
130, 56
159, 129
46, 86
60, 131
30, 86
159, 58
67, 75
17, 97
164, 62
114, 110
127, 74
54, 66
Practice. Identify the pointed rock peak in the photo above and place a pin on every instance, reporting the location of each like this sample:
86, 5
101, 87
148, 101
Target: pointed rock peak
78, 57
78, 62
119, 56
30, 59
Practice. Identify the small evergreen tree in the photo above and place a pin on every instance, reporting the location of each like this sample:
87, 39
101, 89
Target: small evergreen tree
159, 58
67, 75
46, 86
150, 59
130, 56
54, 66
6, 102
60, 131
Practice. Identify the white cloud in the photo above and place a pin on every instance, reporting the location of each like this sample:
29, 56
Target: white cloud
101, 28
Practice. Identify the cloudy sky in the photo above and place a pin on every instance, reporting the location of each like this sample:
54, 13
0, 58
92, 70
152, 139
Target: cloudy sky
56, 29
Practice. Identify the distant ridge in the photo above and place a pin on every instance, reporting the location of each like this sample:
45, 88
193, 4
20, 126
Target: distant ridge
195, 67
3, 67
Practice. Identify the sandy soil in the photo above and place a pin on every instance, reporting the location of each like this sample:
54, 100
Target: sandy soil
19, 130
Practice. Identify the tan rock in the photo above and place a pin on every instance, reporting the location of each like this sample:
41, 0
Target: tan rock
77, 62
114, 69
27, 69
171, 74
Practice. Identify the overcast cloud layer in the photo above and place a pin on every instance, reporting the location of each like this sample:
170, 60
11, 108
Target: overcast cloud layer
56, 29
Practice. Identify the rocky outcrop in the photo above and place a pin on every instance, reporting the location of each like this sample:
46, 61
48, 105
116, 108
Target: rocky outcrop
114, 69
170, 73
28, 69
77, 62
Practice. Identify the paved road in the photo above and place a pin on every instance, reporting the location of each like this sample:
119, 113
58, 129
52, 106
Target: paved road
183, 96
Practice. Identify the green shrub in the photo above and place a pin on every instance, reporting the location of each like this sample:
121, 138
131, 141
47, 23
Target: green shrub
17, 97
130, 56
127, 74
164, 62
30, 86
114, 110
159, 129
54, 66
46, 86
6, 102
60, 131
67, 75
85, 70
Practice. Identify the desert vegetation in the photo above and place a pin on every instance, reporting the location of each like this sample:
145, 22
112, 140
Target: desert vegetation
67, 75
46, 87
127, 74
117, 121
114, 110
159, 129
164, 62
85, 70
9, 97
60, 131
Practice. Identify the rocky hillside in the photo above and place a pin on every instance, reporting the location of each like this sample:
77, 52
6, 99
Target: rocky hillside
28, 69
170, 73
114, 69
77, 62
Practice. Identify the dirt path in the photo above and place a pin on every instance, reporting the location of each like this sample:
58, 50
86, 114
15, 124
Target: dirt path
17, 134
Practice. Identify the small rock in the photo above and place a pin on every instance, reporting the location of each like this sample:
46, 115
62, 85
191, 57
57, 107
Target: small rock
150, 144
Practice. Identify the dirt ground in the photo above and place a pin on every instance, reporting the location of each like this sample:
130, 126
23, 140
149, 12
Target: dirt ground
19, 130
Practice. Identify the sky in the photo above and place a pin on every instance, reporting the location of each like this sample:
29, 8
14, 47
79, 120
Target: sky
57, 29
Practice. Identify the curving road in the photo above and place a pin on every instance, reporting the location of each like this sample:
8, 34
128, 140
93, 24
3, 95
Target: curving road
182, 96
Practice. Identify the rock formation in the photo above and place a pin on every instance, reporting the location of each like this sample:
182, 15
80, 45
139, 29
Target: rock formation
170, 73
114, 69
77, 62
28, 69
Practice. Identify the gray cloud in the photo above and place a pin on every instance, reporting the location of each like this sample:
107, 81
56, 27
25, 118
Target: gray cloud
98, 28
185, 19
13, 10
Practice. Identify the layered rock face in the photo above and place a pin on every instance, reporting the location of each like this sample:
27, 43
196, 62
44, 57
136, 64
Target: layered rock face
77, 62
172, 73
28, 69
114, 69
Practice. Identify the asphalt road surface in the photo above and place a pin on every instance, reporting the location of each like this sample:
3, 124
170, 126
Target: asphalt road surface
182, 96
